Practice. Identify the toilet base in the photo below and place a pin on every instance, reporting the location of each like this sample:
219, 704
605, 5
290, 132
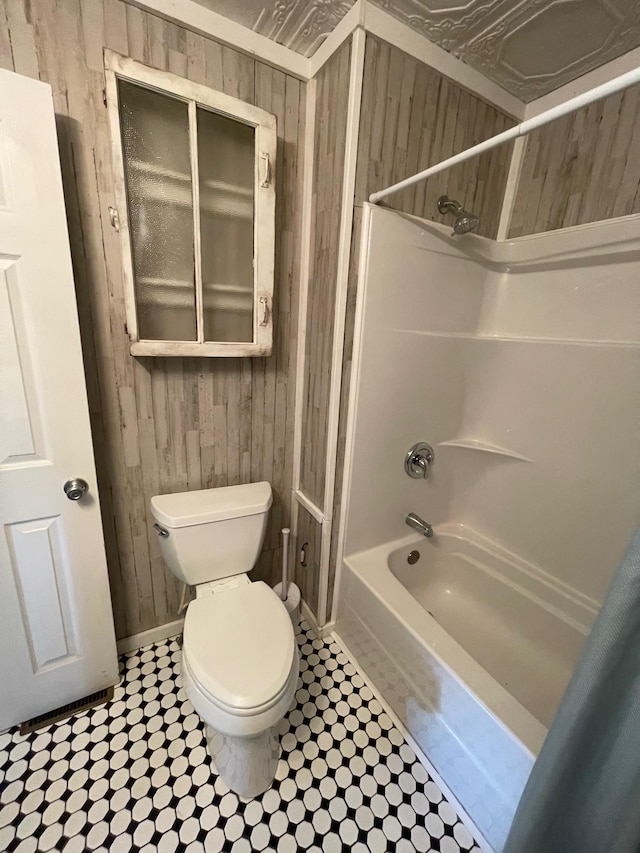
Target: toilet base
247, 764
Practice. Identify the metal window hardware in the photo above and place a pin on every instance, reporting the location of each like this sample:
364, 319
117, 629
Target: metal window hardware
264, 302
114, 219
266, 180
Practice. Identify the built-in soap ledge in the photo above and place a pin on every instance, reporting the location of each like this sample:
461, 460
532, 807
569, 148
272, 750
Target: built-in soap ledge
484, 447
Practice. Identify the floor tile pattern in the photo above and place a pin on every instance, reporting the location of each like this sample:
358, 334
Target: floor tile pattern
135, 775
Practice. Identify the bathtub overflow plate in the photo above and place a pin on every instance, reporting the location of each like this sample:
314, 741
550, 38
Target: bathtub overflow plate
413, 557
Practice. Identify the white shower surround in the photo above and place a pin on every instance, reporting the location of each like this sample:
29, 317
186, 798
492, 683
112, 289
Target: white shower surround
520, 363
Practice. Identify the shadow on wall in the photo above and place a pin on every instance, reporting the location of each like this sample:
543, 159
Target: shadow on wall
74, 175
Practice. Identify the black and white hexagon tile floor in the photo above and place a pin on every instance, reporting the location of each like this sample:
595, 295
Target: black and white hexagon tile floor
135, 775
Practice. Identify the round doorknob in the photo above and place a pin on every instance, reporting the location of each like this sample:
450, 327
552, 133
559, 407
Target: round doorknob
76, 488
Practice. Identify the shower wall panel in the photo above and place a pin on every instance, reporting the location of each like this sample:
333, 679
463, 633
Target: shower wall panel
412, 117
519, 362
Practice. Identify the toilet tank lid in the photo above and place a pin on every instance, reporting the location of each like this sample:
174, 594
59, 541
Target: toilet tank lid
188, 508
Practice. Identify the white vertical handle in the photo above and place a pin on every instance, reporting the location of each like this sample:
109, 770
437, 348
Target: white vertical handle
266, 181
285, 563
264, 302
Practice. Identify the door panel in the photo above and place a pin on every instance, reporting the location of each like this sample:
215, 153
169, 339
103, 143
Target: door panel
57, 640
35, 550
17, 436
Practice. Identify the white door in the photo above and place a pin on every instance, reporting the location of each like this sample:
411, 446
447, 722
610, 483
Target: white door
57, 639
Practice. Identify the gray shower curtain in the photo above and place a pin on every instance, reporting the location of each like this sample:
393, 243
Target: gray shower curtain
583, 795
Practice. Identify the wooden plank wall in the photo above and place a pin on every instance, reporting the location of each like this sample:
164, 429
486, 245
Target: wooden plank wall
581, 168
411, 118
307, 577
162, 425
329, 151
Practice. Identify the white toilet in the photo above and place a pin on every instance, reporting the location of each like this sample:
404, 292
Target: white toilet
239, 655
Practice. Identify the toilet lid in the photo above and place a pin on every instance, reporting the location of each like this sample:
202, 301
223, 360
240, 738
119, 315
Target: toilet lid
240, 645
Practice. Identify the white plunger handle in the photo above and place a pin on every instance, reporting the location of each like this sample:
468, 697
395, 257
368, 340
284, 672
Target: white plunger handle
285, 563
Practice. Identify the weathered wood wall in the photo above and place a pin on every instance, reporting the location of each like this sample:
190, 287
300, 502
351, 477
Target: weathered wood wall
329, 153
161, 425
411, 118
307, 577
332, 91
581, 168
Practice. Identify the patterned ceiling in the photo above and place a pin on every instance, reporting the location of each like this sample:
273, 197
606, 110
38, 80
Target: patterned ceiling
529, 47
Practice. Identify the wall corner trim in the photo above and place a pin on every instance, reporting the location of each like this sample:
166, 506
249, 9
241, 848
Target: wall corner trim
511, 189
356, 79
311, 508
354, 18
321, 631
305, 272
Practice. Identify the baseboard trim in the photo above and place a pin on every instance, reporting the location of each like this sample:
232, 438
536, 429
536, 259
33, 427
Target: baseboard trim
153, 635
422, 758
163, 632
306, 613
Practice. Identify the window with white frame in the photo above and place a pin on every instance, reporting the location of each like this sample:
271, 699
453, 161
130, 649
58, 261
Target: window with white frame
196, 212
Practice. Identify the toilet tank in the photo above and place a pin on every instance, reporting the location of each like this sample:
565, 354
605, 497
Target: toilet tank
212, 534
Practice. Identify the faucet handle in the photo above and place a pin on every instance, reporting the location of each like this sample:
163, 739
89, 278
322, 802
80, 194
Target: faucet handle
418, 460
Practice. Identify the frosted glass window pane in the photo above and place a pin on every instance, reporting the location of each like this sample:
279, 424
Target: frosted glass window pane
226, 156
155, 139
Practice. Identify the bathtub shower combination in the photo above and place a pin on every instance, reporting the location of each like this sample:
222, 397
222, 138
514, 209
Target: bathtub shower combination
516, 362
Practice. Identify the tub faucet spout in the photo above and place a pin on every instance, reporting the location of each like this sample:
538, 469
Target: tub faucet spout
418, 524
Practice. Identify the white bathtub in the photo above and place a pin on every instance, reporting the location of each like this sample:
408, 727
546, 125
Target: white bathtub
472, 648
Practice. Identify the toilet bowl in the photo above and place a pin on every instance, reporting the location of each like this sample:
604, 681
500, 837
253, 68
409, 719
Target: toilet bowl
239, 655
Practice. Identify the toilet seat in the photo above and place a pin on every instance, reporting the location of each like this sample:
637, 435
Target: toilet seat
239, 654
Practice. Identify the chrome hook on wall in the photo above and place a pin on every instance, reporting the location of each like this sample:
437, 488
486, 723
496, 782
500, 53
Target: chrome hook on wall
418, 460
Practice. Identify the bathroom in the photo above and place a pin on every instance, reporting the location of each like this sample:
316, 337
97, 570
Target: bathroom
512, 351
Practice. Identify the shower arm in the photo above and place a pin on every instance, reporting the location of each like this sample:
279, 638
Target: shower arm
449, 205
570, 106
